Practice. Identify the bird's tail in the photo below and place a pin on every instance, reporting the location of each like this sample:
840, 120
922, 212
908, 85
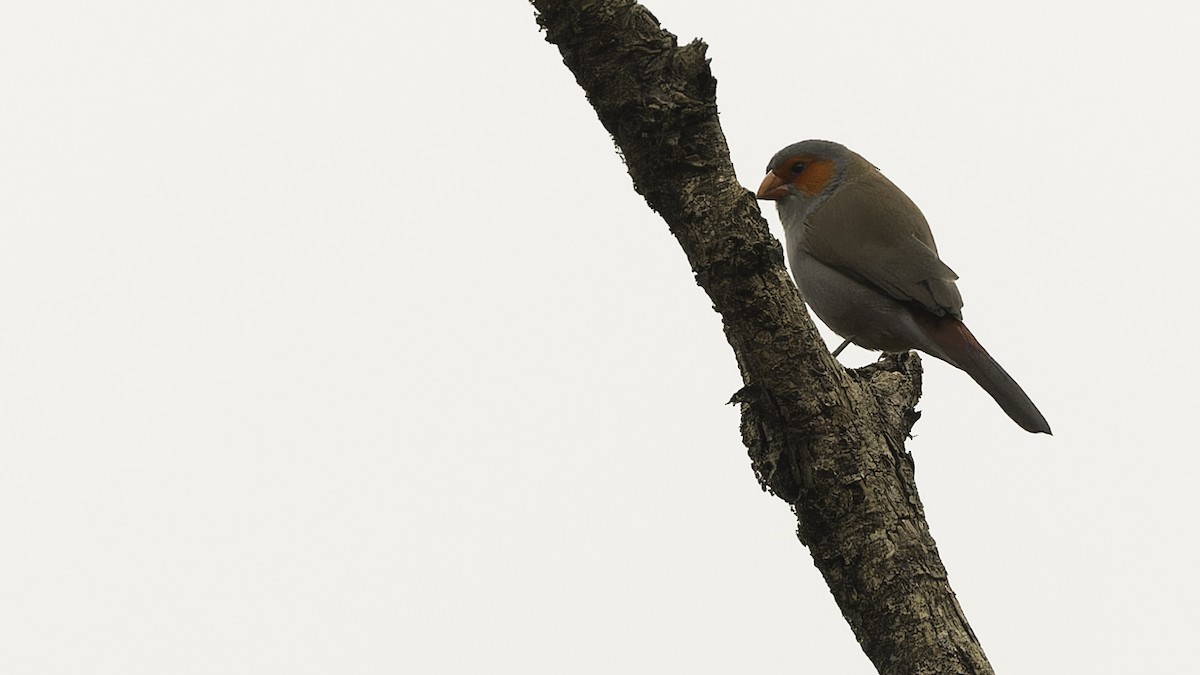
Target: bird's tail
960, 349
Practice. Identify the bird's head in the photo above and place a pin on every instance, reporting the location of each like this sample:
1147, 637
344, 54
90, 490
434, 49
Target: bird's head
806, 172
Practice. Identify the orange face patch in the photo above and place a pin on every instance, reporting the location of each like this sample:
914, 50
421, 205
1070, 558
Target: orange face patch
809, 174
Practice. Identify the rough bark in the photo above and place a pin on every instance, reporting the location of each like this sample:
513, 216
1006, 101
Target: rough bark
828, 441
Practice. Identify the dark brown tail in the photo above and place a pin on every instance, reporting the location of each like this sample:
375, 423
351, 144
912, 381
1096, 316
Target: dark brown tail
961, 349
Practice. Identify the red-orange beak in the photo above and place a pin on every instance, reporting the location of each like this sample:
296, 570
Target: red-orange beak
772, 187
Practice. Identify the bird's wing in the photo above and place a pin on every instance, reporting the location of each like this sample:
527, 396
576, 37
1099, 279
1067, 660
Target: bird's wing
900, 258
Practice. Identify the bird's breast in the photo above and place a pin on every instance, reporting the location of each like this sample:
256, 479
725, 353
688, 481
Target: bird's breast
852, 308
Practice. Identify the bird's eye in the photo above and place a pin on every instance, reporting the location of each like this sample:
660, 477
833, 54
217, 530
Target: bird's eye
797, 168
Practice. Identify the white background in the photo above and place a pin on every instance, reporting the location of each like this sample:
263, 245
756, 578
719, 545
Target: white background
333, 339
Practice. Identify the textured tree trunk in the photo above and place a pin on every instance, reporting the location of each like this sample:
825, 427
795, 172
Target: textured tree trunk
826, 440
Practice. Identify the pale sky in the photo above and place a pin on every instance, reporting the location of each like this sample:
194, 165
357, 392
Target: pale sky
335, 340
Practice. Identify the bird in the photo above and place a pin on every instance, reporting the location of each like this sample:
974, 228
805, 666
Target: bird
864, 259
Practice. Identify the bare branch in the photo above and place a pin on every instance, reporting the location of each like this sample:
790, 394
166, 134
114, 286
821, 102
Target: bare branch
828, 441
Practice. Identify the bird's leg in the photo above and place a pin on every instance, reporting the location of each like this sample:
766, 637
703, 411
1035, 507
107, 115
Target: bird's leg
843, 346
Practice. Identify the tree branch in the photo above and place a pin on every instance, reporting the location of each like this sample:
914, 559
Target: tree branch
828, 441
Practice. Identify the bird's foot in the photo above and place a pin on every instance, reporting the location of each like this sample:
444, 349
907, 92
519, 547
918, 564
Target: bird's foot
842, 346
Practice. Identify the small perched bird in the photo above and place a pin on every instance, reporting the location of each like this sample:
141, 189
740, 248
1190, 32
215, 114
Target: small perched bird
864, 259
